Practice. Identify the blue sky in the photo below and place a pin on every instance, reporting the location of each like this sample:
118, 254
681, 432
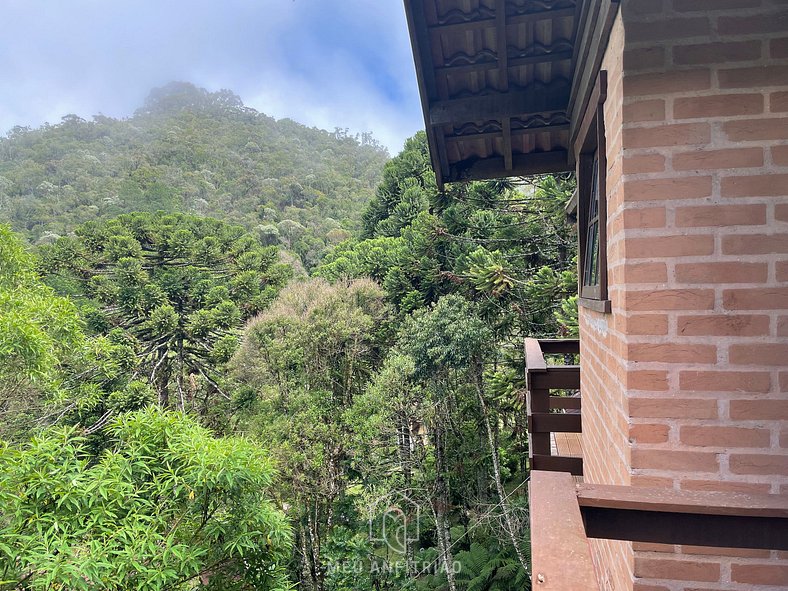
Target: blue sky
327, 63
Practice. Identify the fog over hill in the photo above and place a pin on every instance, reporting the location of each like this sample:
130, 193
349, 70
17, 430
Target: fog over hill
189, 150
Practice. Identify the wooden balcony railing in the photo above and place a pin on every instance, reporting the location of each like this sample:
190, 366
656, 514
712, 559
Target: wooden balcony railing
552, 414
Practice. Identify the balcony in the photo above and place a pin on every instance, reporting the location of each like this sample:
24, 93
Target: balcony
553, 405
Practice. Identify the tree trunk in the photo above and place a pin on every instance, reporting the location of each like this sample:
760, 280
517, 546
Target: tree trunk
493, 441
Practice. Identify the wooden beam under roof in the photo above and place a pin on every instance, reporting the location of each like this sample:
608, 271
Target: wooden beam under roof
522, 165
502, 104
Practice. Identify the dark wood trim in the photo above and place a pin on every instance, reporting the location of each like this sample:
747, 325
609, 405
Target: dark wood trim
422, 60
522, 165
495, 106
588, 59
563, 346
714, 519
590, 149
555, 422
568, 464
557, 377
565, 402
602, 306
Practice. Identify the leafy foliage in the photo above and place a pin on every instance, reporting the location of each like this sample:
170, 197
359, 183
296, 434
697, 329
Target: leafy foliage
164, 505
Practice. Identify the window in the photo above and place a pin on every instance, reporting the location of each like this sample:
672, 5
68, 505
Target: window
592, 201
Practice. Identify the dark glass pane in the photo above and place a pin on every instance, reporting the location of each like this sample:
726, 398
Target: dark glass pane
591, 270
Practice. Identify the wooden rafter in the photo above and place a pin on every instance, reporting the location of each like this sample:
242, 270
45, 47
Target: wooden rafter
503, 76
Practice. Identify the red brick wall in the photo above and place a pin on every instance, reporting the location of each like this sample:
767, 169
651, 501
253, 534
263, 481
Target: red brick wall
603, 369
685, 384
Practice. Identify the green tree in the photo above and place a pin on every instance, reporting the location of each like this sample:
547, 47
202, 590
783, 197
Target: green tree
302, 364
38, 330
164, 506
179, 286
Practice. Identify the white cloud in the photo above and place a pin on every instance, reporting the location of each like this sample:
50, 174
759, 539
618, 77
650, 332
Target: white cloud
326, 63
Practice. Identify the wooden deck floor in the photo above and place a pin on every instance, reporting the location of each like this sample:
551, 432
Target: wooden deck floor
567, 444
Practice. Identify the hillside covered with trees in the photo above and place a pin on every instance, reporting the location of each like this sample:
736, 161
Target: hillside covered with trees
183, 407
192, 151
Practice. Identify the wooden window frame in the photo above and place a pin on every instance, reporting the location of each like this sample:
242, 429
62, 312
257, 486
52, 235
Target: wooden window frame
590, 154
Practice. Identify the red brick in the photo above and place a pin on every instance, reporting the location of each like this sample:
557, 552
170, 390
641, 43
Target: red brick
782, 326
645, 217
759, 354
657, 300
644, 58
718, 159
647, 324
729, 325
766, 298
709, 436
778, 102
762, 185
721, 215
708, 5
734, 552
759, 410
755, 244
644, 163
671, 188
641, 586
680, 134
662, 83
780, 155
669, 246
768, 464
731, 272
760, 574
725, 381
649, 110
649, 433
679, 461
673, 408
716, 53
720, 486
778, 48
650, 481
720, 105
756, 129
665, 29
782, 271
753, 77
646, 273
672, 353
775, 22
650, 547
653, 380
781, 211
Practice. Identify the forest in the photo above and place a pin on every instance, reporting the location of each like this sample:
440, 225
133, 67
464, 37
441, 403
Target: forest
239, 353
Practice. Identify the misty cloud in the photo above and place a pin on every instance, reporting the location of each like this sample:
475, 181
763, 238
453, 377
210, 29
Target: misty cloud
327, 63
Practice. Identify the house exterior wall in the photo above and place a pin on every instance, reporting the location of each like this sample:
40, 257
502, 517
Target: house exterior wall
685, 383
603, 341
